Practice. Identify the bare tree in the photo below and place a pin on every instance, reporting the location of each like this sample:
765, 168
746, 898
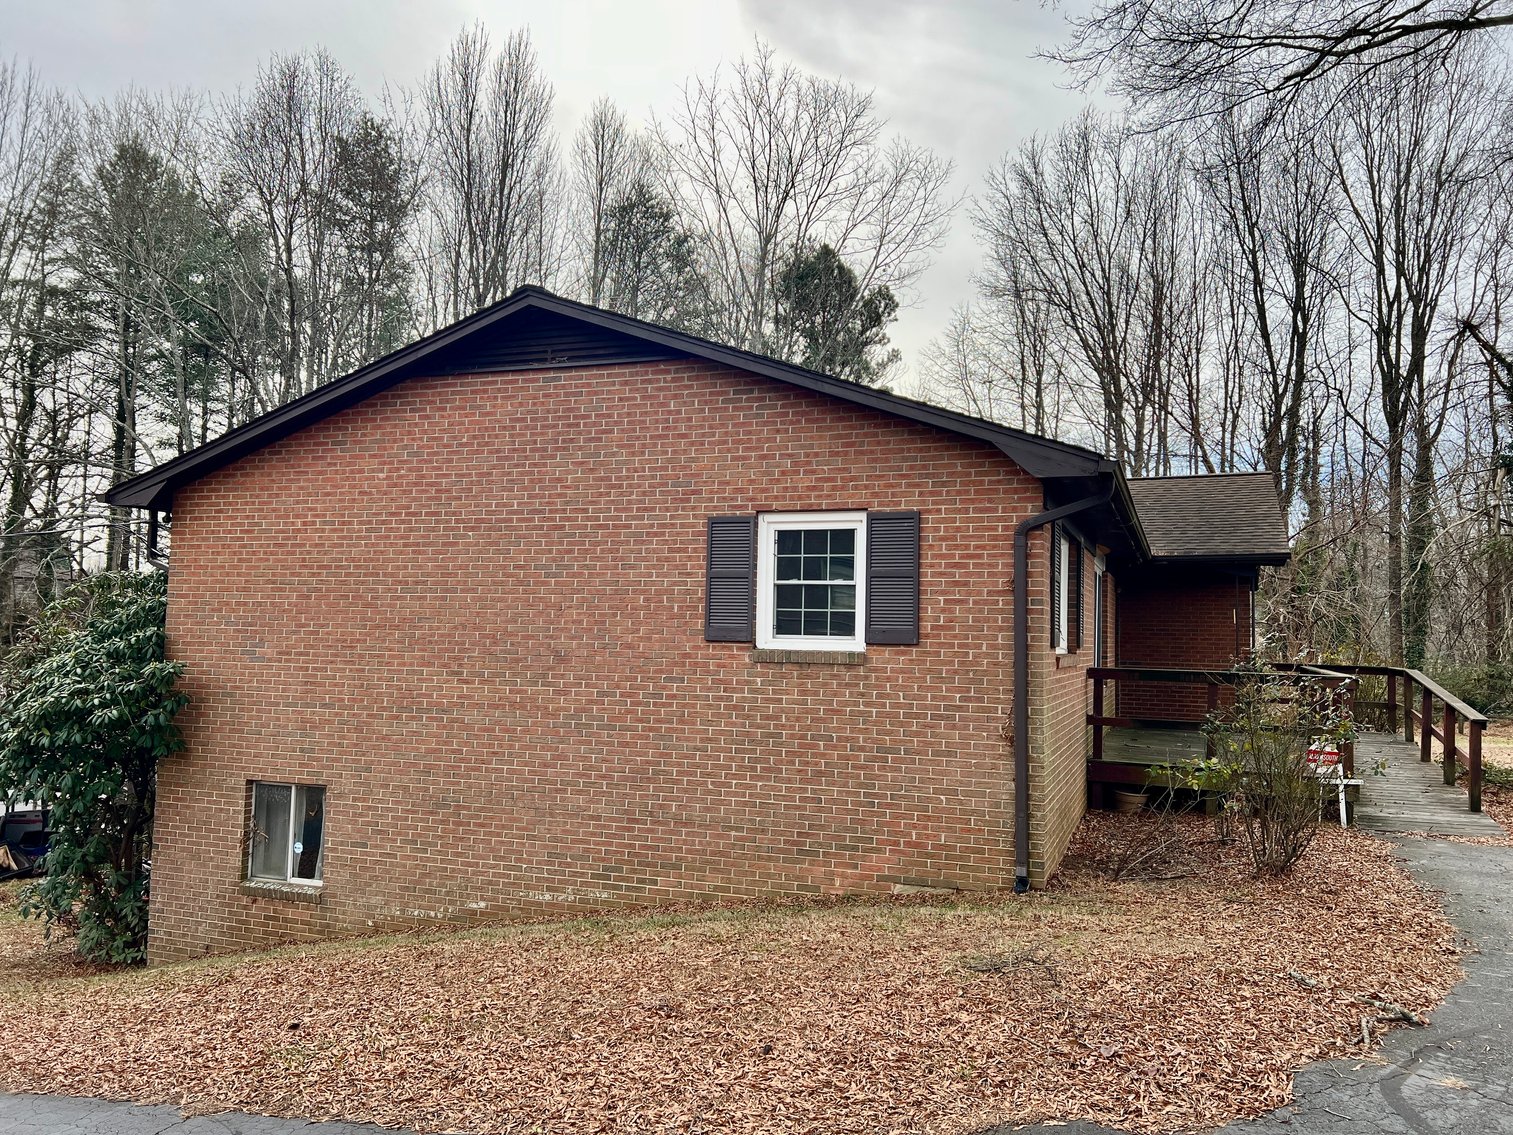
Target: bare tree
1097, 226
1487, 432
282, 150
1411, 158
766, 164
1275, 201
492, 184
39, 331
1197, 57
608, 161
999, 361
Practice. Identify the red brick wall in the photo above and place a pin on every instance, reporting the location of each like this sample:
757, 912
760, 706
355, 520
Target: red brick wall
1183, 619
472, 608
1060, 697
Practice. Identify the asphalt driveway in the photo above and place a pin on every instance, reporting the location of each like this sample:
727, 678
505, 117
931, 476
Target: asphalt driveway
1453, 1077
64, 1115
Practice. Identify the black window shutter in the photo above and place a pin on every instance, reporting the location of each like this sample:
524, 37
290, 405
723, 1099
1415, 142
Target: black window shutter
730, 580
1055, 586
893, 577
1076, 581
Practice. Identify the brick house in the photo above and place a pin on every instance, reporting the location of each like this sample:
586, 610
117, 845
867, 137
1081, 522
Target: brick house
557, 610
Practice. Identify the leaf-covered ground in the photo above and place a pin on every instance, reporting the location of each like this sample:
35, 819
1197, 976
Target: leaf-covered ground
1497, 759
1160, 1006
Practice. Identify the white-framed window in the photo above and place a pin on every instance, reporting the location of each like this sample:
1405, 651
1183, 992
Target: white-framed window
287, 839
1062, 584
1100, 567
811, 580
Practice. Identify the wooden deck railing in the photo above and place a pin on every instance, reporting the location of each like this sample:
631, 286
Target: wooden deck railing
1340, 683
1420, 695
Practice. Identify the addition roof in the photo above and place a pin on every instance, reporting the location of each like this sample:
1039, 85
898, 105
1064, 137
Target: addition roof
1216, 518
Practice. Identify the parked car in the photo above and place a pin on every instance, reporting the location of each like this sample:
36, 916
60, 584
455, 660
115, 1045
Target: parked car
23, 842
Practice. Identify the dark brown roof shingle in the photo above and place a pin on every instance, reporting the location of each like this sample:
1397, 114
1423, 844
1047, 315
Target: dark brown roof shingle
1227, 516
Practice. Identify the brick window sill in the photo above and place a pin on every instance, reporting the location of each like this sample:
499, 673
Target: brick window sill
289, 892
811, 657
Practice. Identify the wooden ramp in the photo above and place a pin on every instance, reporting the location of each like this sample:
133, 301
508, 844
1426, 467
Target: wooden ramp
1153, 746
1412, 795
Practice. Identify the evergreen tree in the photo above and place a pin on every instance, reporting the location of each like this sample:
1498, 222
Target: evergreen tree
827, 323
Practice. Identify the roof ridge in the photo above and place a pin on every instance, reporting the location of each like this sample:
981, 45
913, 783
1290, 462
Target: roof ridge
1042, 457
1206, 476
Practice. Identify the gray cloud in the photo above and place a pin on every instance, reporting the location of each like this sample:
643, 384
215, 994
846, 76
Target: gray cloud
960, 78
957, 77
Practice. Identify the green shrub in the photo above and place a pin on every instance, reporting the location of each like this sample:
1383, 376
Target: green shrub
1261, 743
88, 713
1487, 687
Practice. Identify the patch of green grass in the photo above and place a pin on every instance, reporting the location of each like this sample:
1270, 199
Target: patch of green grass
1498, 774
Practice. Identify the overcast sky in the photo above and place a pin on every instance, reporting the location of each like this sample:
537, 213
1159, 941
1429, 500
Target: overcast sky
958, 77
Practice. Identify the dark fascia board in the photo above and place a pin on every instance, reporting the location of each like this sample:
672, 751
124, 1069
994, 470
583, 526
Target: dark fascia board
1129, 516
1275, 559
1115, 524
154, 489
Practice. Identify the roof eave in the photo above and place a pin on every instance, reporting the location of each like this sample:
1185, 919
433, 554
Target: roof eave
1268, 559
1130, 512
1040, 457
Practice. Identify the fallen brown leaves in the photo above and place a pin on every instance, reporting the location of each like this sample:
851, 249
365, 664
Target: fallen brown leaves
1497, 802
26, 956
1156, 1006
1497, 751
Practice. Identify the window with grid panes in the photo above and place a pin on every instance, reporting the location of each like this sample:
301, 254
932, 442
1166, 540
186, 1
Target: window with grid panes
810, 581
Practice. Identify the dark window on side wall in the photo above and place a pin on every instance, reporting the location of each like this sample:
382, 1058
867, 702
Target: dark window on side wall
287, 836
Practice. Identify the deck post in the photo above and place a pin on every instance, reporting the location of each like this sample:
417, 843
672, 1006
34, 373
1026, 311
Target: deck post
1407, 709
1425, 726
1347, 691
1210, 744
1473, 764
1392, 704
1098, 715
1447, 735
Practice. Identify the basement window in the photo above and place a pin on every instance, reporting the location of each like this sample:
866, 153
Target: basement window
286, 840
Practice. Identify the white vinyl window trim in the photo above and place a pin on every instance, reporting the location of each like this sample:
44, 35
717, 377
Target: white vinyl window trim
769, 524
1063, 592
1100, 566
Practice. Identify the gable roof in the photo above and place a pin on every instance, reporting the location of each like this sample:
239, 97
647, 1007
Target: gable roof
534, 329
1225, 517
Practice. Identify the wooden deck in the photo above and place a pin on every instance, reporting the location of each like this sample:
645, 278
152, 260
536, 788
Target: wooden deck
1153, 746
1412, 795
1130, 755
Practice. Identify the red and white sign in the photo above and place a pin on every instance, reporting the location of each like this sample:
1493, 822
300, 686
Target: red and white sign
1323, 756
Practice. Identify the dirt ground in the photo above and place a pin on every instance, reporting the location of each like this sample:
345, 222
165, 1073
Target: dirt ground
1497, 788
1159, 1005
1497, 743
